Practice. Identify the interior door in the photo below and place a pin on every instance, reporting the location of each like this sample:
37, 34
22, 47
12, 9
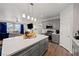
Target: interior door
66, 25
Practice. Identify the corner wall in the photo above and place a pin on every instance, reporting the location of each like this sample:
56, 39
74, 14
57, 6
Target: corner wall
76, 18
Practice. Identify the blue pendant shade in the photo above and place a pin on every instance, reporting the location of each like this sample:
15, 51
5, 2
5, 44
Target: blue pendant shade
22, 29
3, 30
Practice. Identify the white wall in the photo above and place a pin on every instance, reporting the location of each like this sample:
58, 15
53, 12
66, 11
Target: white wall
66, 27
76, 18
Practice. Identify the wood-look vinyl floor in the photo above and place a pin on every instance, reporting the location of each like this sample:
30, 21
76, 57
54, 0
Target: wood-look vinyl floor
56, 50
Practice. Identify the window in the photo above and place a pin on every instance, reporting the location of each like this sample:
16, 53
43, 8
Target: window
17, 27
9, 27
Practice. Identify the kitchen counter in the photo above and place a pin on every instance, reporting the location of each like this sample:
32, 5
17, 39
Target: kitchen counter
75, 47
55, 34
15, 44
76, 41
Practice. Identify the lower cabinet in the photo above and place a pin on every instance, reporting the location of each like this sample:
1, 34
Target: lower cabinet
37, 49
75, 49
43, 46
55, 38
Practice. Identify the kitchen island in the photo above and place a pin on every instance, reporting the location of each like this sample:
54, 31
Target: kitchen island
18, 46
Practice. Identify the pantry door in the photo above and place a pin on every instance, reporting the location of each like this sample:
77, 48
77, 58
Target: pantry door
66, 28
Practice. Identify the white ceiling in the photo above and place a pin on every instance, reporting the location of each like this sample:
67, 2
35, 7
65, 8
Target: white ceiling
40, 10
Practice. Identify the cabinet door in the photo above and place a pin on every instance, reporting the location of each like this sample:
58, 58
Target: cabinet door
55, 38
43, 46
75, 49
35, 50
26, 52
42, 49
46, 44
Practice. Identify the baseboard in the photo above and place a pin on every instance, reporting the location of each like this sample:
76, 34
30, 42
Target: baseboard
67, 50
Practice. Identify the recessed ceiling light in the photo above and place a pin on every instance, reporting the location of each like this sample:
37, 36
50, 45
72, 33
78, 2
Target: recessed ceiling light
23, 15
28, 17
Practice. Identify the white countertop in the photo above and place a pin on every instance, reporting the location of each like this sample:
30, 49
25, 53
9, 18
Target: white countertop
76, 41
15, 44
55, 34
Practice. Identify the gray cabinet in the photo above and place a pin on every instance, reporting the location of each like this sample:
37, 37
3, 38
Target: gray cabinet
43, 46
37, 49
75, 49
24, 52
55, 38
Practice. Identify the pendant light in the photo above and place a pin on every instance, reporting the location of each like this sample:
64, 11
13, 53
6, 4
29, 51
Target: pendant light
28, 16
32, 11
23, 15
